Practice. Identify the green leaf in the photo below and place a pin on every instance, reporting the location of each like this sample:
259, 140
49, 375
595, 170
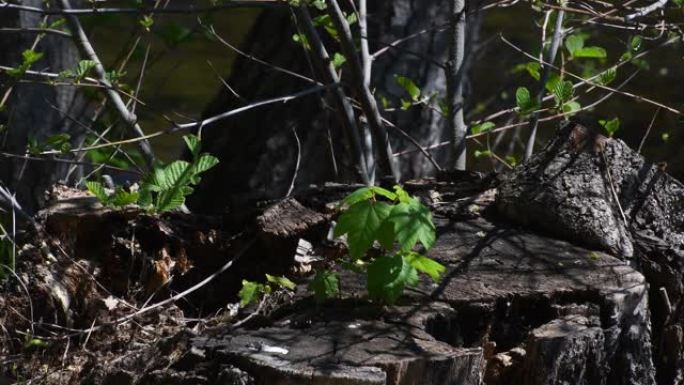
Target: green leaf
483, 154
204, 163
412, 223
401, 194
361, 223
571, 107
611, 126
635, 43
122, 197
169, 176
30, 56
84, 67
591, 52
563, 92
523, 99
193, 143
365, 193
281, 282
387, 278
250, 292
551, 83
607, 76
533, 69
426, 265
665, 137
574, 43
97, 189
325, 285
146, 22
482, 127
338, 60
409, 86
168, 200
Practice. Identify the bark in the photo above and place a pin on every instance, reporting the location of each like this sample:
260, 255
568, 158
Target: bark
36, 110
257, 150
600, 193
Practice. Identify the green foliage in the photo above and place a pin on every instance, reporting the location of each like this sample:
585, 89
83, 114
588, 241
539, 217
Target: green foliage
607, 76
575, 46
562, 92
79, 73
398, 223
59, 142
146, 22
409, 86
165, 188
29, 57
118, 198
325, 285
524, 101
611, 126
253, 291
482, 127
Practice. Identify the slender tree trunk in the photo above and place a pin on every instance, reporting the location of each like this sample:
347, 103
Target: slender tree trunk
455, 75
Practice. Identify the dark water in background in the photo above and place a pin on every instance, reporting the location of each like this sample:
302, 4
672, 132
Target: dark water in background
179, 82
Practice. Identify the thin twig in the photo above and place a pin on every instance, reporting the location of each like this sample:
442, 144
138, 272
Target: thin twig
297, 163
648, 131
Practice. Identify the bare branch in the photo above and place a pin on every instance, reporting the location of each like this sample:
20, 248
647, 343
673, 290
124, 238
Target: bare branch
368, 103
82, 41
646, 10
344, 106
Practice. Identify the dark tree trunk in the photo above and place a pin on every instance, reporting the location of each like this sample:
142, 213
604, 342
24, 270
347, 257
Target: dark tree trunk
35, 110
258, 150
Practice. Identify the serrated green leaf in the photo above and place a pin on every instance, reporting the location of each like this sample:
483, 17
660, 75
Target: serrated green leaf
361, 223
533, 69
409, 86
193, 143
426, 265
611, 126
325, 285
204, 163
551, 83
282, 282
591, 52
84, 67
571, 107
250, 292
483, 127
523, 99
122, 197
97, 189
362, 194
563, 92
169, 200
412, 223
574, 43
388, 277
169, 176
607, 76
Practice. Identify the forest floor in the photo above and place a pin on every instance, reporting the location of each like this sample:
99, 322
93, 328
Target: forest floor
120, 296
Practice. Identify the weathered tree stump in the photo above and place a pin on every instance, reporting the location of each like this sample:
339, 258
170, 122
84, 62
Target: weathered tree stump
600, 193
